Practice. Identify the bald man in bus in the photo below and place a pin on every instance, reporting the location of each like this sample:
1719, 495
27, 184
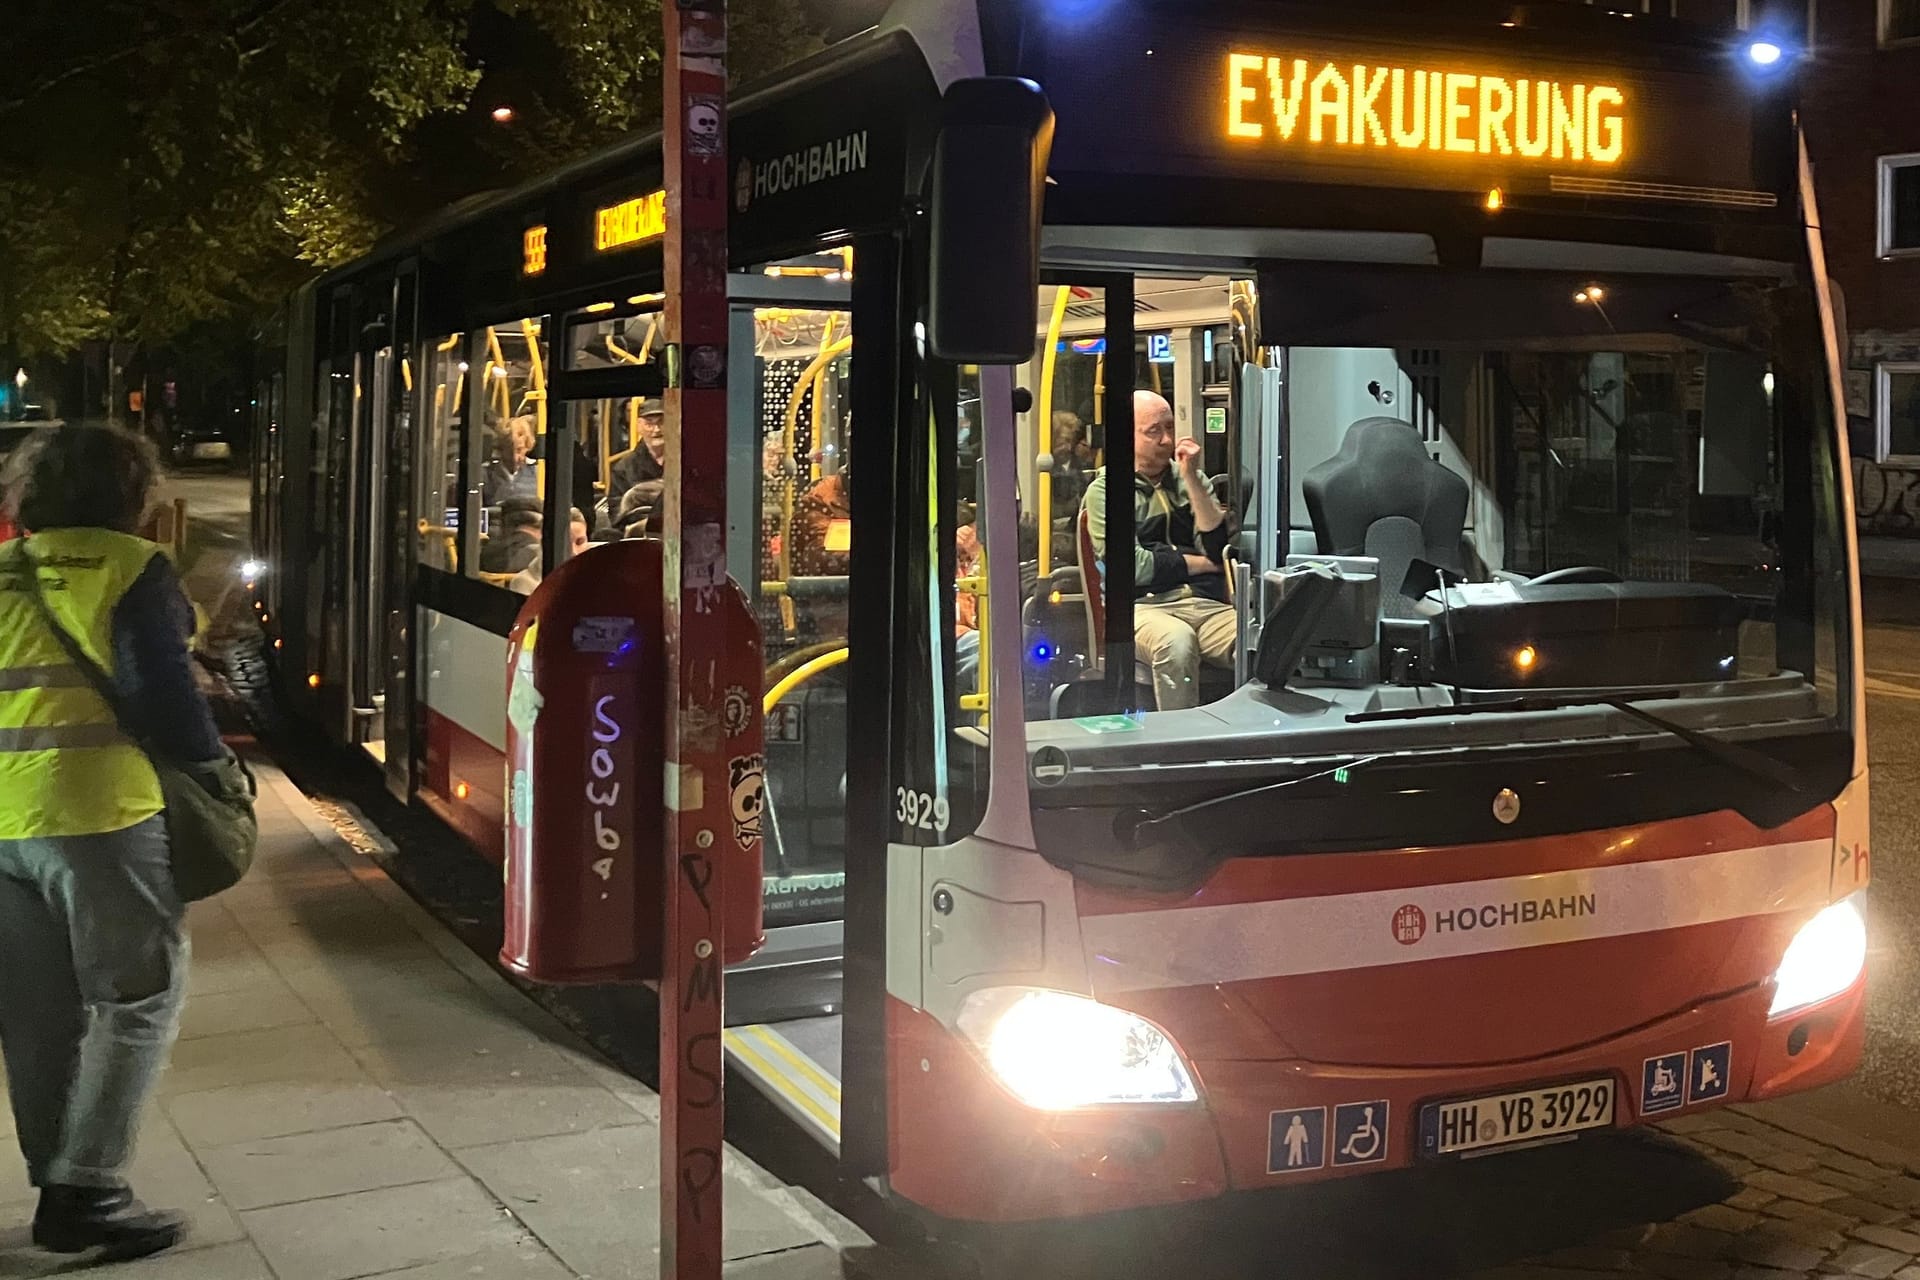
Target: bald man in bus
1181, 617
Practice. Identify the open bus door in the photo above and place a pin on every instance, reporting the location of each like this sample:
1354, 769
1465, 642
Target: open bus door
893, 537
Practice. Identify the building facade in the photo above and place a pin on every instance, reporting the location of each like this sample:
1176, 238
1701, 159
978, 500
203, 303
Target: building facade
1862, 120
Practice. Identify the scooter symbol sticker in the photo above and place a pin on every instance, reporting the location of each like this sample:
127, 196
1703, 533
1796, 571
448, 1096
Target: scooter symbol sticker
1360, 1132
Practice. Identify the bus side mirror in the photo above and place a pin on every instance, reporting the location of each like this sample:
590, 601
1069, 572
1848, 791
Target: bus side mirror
989, 181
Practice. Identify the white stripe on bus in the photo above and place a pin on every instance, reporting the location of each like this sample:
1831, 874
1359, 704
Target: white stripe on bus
1197, 946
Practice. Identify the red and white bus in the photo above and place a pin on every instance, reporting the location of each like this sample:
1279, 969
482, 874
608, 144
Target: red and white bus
1522, 793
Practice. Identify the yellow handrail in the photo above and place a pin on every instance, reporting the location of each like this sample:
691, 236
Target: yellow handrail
800, 675
1049, 359
603, 447
537, 394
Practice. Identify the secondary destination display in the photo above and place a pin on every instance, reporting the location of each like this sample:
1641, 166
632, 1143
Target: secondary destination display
630, 222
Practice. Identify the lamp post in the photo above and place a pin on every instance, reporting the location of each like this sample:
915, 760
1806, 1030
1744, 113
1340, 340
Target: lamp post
19, 395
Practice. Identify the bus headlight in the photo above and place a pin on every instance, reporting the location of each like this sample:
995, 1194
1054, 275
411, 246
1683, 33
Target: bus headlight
1057, 1051
1823, 959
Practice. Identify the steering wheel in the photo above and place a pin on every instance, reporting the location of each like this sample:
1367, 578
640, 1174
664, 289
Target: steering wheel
1575, 573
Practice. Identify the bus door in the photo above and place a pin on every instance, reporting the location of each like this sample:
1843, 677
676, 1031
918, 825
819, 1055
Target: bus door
391, 652
377, 569
790, 538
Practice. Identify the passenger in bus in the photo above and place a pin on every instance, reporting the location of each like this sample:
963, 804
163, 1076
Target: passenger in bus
517, 543
1181, 616
528, 578
646, 463
821, 520
822, 539
93, 947
511, 473
966, 612
639, 477
1072, 462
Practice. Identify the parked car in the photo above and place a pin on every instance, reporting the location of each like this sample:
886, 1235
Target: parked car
201, 441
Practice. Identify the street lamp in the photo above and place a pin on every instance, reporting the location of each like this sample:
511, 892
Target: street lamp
1592, 296
20, 395
502, 114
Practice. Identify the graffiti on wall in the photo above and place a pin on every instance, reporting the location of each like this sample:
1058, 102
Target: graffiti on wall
1886, 497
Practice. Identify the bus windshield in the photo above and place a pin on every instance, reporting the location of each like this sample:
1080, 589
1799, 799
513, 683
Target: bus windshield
1370, 504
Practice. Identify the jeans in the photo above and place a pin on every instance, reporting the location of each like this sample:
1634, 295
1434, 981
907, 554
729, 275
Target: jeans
966, 663
93, 966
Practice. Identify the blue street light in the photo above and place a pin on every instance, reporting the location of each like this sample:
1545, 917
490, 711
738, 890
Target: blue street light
1765, 53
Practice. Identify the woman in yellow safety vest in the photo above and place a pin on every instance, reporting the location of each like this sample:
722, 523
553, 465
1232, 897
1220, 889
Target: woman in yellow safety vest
93, 952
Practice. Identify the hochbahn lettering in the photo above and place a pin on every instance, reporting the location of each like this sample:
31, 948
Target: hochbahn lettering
804, 167
1526, 911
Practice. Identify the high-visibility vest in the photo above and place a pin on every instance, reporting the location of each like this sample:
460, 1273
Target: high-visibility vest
66, 769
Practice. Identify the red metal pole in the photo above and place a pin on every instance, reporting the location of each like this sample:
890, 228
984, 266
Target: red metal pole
692, 1127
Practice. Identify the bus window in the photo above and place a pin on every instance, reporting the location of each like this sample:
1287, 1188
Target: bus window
619, 448
803, 363
506, 431
1610, 477
437, 500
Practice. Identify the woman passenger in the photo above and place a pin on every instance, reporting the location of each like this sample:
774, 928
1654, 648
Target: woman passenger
511, 473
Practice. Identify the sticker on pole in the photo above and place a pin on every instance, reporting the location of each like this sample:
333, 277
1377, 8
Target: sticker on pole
602, 635
704, 137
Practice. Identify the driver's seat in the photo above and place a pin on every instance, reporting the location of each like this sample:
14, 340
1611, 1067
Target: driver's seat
1381, 495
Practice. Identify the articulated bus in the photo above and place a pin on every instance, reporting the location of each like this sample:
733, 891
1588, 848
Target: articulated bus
1473, 758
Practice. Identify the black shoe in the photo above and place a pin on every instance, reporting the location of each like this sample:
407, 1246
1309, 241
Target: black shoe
76, 1219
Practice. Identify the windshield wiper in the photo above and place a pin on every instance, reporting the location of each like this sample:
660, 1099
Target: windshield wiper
1519, 703
1743, 759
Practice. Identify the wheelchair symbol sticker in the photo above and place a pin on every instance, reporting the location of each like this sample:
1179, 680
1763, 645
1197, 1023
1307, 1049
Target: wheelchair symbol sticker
1360, 1132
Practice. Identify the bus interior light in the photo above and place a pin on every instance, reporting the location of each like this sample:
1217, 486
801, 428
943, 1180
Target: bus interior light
1058, 1052
1823, 960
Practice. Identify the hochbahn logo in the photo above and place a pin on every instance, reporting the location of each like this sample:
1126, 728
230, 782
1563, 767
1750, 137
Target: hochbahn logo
756, 180
1409, 925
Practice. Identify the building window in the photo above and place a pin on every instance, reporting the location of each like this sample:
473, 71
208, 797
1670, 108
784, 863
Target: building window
1899, 205
1899, 21
1896, 410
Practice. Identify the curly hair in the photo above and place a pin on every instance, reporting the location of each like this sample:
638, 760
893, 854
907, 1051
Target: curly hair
75, 476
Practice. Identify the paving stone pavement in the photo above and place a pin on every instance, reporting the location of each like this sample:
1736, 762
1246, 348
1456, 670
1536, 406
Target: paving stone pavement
354, 1094
1809, 1199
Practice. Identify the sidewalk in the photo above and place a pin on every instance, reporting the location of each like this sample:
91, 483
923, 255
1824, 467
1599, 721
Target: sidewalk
355, 1094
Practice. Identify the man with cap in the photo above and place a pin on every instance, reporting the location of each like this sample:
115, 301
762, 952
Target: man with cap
648, 462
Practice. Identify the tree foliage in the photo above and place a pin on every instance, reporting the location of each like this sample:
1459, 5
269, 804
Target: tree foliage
188, 161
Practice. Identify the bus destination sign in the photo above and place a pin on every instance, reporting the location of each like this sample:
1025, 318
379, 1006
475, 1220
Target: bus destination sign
1296, 102
1211, 97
